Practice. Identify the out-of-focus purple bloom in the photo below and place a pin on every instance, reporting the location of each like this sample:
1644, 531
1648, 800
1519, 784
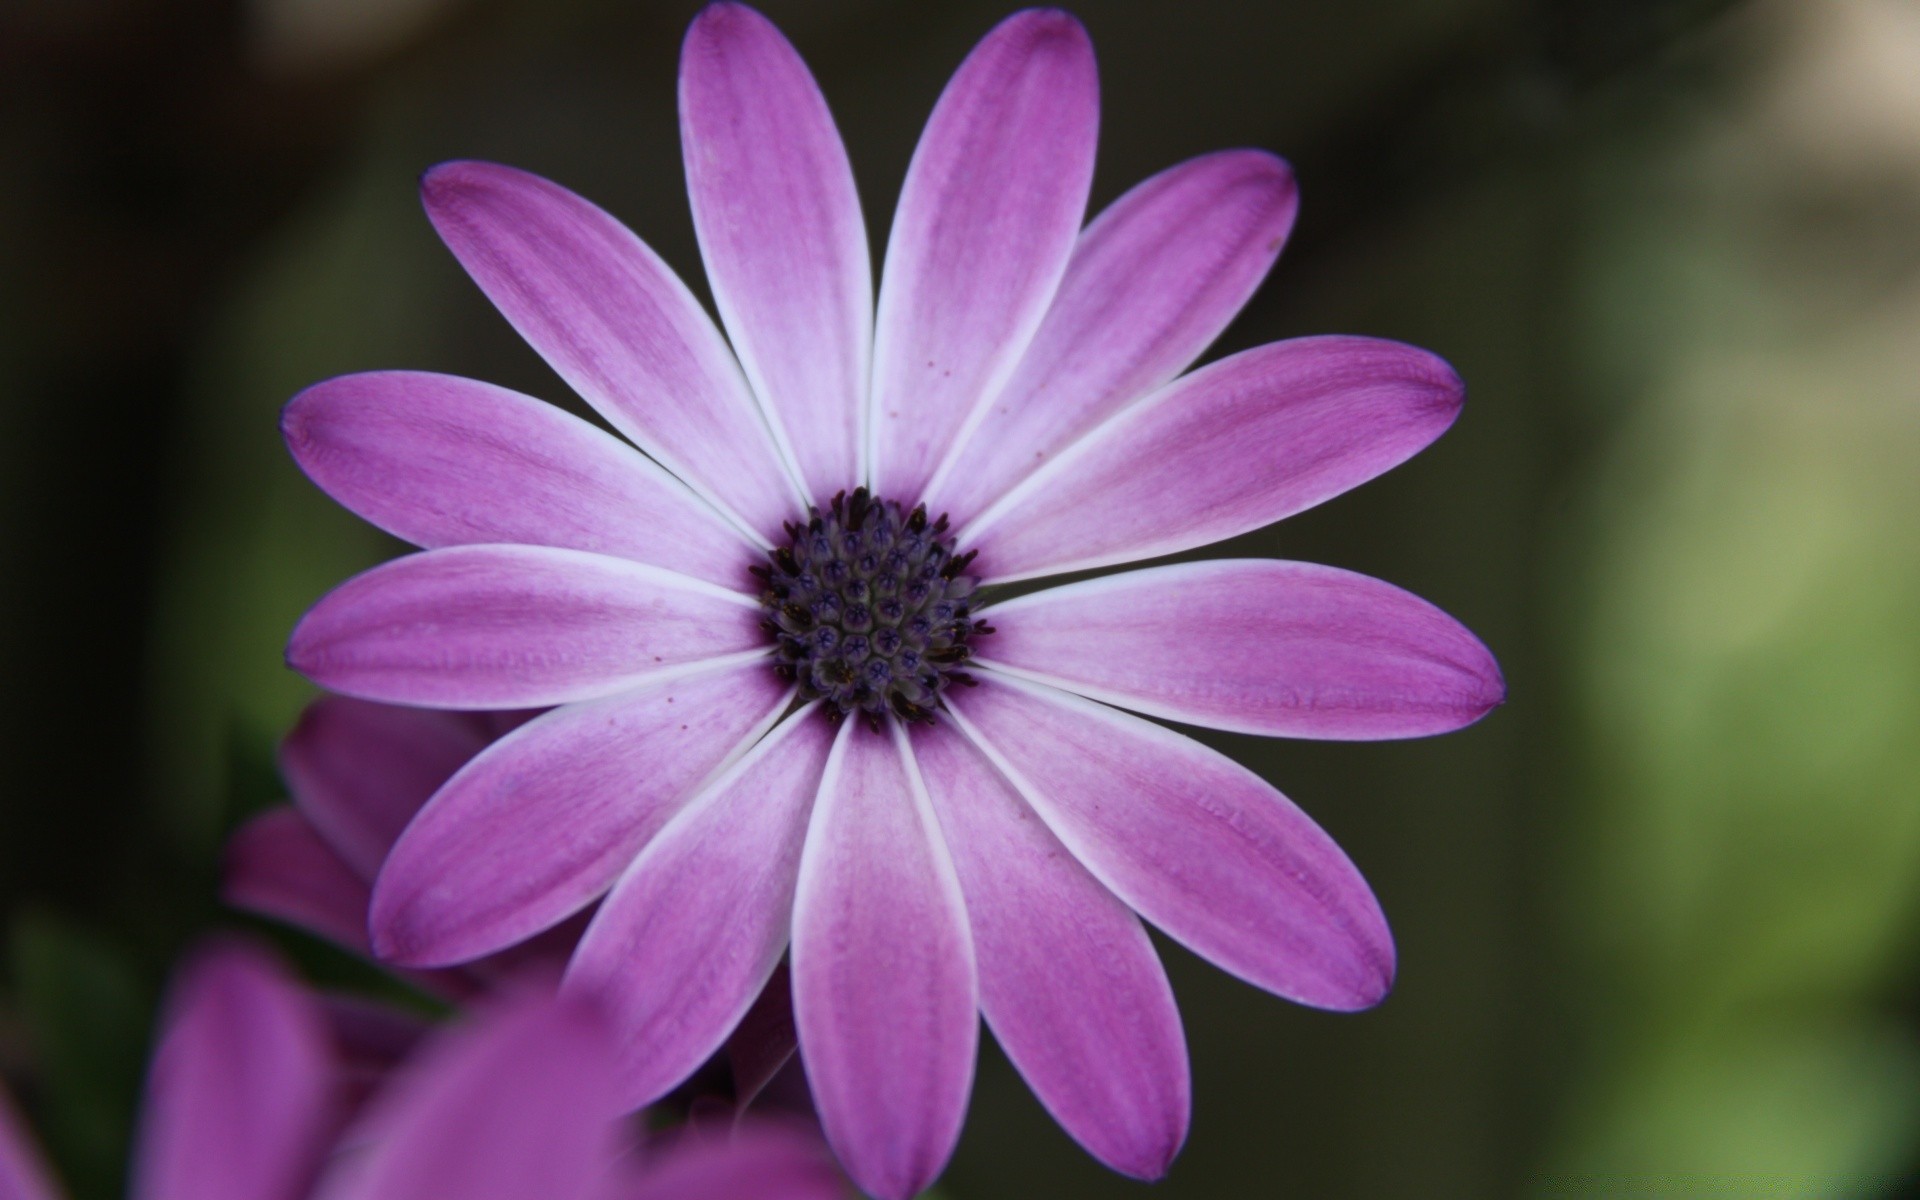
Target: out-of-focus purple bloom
357, 773
707, 617
245, 1101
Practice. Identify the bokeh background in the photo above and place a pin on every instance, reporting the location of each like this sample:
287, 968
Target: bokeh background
1656, 916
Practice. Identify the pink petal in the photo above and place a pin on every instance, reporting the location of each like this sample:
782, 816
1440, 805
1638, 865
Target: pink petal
988, 215
1153, 280
1069, 983
695, 928
1253, 645
239, 1097
618, 326
515, 1106
780, 230
442, 461
278, 866
1233, 446
23, 1173
545, 819
759, 1161
359, 771
1193, 841
514, 627
883, 977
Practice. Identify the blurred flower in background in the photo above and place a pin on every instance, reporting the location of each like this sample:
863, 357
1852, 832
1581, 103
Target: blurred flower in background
246, 1100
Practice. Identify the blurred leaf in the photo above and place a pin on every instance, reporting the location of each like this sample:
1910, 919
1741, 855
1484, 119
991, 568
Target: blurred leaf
88, 1017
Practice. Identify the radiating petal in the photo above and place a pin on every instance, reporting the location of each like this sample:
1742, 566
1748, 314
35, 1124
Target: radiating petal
515, 1106
883, 977
1152, 282
1196, 843
780, 230
23, 1172
239, 1097
278, 866
761, 1160
695, 928
514, 627
1253, 645
442, 461
359, 771
1234, 446
618, 325
546, 818
1069, 983
987, 219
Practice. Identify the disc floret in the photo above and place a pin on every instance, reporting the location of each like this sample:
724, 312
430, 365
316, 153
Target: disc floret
869, 609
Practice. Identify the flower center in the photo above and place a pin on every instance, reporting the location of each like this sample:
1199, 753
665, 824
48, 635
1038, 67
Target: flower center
867, 605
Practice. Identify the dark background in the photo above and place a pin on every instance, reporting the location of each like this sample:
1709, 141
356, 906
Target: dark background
1655, 917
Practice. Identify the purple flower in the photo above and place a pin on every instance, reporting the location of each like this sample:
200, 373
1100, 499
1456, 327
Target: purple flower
358, 772
822, 494
246, 1100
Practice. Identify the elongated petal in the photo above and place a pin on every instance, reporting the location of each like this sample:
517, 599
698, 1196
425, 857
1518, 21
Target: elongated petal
514, 627
693, 931
515, 1106
442, 461
883, 978
1233, 446
1253, 645
278, 866
545, 819
1196, 843
988, 215
780, 230
618, 326
1152, 282
23, 1172
1069, 982
759, 1160
359, 771
238, 1100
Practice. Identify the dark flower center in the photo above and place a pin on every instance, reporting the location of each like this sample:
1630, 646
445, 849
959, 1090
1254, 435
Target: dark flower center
868, 608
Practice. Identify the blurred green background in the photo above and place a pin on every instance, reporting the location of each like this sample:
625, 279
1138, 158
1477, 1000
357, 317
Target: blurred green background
1656, 916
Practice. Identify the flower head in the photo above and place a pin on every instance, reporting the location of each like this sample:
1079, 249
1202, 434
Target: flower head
246, 1100
1013, 406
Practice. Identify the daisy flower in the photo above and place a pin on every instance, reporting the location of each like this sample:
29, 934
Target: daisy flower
248, 1099
787, 715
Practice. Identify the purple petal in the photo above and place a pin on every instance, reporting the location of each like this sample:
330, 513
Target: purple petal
1152, 282
1069, 983
442, 461
514, 627
1233, 446
1193, 841
759, 1161
780, 230
988, 215
618, 326
239, 1098
693, 931
278, 865
1253, 645
515, 1106
23, 1173
883, 978
545, 819
359, 771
